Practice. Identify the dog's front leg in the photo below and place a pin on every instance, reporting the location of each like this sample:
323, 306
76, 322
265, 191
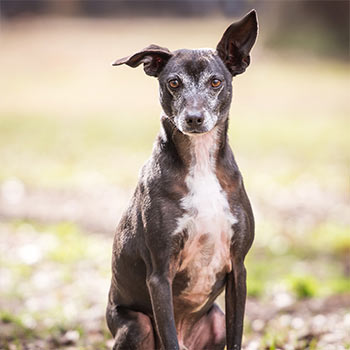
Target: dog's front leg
161, 296
160, 250
235, 299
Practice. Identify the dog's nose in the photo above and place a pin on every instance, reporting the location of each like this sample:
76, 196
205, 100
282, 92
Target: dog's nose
194, 119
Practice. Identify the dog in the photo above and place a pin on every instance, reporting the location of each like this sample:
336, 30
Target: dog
185, 235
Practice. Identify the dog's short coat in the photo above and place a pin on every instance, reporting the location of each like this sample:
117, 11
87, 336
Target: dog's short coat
189, 226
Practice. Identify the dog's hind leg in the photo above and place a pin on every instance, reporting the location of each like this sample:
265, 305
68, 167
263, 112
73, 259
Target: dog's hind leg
131, 330
209, 333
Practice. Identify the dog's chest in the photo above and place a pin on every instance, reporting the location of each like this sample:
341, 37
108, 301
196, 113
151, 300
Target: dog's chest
208, 223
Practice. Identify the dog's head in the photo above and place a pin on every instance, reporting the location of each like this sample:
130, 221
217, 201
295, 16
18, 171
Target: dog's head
196, 85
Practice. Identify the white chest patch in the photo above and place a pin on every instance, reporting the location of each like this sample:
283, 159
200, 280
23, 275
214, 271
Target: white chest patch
208, 221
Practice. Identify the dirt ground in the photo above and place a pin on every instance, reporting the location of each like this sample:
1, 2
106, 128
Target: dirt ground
53, 296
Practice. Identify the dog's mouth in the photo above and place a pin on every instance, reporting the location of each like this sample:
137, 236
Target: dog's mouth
194, 131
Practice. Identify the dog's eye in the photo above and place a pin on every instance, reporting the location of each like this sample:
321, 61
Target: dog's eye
174, 83
215, 83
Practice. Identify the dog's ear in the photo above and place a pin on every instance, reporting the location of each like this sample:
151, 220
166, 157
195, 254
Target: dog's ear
153, 57
236, 43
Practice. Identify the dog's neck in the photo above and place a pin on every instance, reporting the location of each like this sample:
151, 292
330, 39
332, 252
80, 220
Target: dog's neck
192, 149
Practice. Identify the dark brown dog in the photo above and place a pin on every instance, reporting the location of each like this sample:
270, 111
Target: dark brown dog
189, 226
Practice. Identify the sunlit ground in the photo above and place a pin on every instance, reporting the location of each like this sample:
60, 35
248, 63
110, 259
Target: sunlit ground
74, 132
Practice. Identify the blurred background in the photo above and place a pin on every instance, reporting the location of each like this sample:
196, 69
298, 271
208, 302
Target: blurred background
75, 131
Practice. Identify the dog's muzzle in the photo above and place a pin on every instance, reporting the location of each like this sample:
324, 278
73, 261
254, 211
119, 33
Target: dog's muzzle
196, 122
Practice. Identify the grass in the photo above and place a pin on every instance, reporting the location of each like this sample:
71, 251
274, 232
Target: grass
66, 150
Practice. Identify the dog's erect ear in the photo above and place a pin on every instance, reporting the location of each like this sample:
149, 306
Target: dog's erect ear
153, 57
236, 43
